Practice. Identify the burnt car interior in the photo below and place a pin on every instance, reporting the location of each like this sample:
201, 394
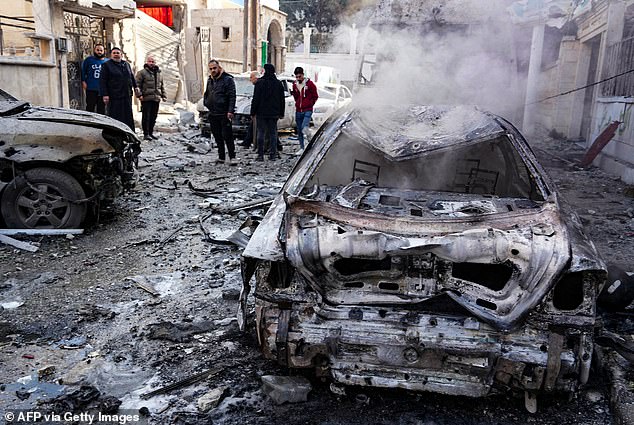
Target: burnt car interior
353, 175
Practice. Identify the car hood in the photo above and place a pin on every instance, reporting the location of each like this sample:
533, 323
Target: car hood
73, 116
243, 105
403, 131
324, 103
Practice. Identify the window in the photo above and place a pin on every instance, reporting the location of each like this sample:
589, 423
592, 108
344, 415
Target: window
20, 39
226, 33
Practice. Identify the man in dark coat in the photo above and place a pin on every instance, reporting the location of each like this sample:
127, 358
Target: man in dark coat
150, 83
267, 107
220, 99
116, 83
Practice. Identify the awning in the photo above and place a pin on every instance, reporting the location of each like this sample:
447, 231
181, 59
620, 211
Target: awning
103, 8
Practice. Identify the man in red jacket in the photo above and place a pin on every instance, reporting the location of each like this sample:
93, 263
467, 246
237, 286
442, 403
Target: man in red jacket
305, 93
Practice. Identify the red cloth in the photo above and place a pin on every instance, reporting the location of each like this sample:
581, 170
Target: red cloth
305, 100
163, 14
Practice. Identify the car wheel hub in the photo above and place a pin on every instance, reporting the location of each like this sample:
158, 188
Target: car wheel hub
42, 205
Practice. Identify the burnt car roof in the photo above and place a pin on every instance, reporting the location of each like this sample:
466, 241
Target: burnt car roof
404, 131
74, 116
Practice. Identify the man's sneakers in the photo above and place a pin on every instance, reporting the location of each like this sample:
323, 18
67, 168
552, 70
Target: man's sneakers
219, 161
299, 152
153, 137
260, 159
146, 137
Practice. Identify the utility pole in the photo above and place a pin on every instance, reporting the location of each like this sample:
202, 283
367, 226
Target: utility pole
245, 35
254, 32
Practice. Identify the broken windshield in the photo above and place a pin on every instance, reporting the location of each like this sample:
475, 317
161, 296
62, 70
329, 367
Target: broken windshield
492, 167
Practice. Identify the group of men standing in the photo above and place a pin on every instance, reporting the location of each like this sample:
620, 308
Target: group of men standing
110, 83
267, 106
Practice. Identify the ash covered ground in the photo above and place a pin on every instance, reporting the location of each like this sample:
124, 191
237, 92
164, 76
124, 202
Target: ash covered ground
75, 312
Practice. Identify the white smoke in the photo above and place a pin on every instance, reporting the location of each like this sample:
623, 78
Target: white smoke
456, 54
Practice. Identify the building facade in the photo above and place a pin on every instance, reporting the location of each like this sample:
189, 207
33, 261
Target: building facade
42, 44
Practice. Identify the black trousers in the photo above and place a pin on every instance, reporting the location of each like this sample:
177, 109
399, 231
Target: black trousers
223, 134
149, 111
120, 108
267, 125
94, 102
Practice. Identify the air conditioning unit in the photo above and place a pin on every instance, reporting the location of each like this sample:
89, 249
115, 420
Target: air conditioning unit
61, 44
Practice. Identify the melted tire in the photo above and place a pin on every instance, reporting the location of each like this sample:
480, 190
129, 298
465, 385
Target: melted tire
42, 198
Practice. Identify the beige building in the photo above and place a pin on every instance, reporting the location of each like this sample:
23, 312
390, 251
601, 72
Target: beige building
590, 41
218, 32
42, 44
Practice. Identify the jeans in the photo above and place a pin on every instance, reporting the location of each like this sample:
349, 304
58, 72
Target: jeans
149, 111
223, 134
303, 120
264, 124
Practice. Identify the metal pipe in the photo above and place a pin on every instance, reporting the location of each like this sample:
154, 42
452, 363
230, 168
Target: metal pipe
245, 36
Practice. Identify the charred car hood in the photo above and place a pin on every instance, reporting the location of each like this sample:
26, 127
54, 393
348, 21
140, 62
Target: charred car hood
75, 116
401, 132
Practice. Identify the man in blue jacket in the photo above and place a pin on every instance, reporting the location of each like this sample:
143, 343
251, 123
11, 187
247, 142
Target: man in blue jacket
90, 72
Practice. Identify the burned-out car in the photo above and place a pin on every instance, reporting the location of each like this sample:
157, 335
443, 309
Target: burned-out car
55, 163
424, 248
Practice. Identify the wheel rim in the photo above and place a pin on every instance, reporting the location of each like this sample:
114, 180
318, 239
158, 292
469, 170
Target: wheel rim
42, 205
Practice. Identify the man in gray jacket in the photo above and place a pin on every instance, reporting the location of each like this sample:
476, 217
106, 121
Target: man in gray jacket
220, 99
150, 81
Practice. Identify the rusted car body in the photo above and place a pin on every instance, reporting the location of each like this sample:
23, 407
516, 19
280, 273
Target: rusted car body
56, 163
424, 248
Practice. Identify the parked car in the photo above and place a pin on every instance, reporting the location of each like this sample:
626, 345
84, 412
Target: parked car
57, 163
424, 247
331, 98
242, 117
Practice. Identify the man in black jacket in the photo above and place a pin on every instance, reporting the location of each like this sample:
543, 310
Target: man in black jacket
267, 107
116, 83
220, 99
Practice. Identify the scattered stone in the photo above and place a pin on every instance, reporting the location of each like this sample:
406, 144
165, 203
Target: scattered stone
46, 373
10, 305
109, 404
72, 343
231, 294
211, 399
282, 389
22, 395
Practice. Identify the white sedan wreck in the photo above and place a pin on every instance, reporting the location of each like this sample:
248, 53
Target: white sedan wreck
425, 248
57, 165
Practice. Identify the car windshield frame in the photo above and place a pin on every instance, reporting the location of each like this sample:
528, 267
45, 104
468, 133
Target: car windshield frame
324, 140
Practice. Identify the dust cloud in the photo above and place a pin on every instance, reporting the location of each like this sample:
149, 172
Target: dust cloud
440, 52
